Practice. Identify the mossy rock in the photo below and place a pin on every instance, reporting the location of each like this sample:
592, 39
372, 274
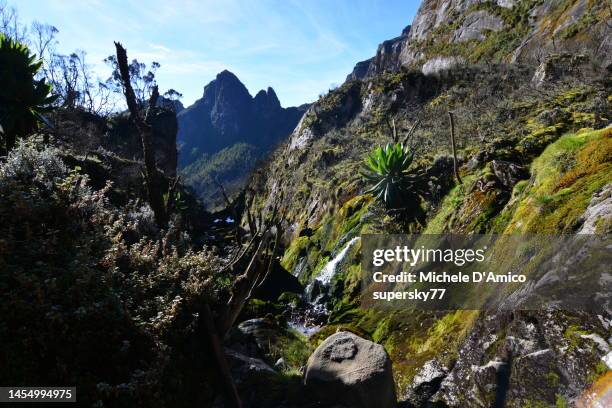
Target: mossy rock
561, 189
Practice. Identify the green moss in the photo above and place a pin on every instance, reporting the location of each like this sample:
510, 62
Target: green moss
536, 404
572, 335
416, 337
600, 369
450, 204
312, 253
552, 379
559, 194
561, 402
296, 250
293, 347
382, 330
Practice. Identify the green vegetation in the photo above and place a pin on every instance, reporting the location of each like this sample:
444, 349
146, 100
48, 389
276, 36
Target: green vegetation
306, 255
117, 302
387, 169
104, 291
23, 98
566, 175
229, 168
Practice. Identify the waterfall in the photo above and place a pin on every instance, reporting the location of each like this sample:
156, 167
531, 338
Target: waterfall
329, 270
309, 319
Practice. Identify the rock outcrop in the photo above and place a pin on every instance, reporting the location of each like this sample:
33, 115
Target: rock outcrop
476, 25
524, 32
510, 357
361, 70
557, 66
597, 219
351, 371
278, 281
387, 58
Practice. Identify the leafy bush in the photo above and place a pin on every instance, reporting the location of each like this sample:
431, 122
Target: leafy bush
96, 295
22, 97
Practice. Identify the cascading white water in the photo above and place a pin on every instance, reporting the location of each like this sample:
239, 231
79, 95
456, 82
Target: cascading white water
330, 269
310, 319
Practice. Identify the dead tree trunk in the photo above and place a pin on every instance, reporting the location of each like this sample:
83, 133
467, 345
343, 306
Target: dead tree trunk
152, 176
452, 135
217, 349
242, 288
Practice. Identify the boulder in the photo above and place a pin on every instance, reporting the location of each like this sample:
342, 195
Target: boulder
349, 370
597, 219
507, 173
557, 66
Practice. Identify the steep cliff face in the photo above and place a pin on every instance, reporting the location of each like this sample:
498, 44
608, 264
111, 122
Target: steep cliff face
387, 58
447, 32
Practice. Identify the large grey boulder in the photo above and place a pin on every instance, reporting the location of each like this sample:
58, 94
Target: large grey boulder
346, 369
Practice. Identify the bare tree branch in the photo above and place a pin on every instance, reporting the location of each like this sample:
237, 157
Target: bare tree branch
152, 176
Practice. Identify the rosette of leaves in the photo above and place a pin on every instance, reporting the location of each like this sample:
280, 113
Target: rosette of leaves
387, 169
23, 98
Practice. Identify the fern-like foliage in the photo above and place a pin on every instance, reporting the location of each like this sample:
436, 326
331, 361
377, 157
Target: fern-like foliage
23, 98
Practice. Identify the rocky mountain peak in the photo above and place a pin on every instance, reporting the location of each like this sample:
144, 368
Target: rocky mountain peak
226, 87
227, 114
266, 101
227, 76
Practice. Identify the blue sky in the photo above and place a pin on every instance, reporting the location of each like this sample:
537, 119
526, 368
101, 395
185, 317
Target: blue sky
300, 47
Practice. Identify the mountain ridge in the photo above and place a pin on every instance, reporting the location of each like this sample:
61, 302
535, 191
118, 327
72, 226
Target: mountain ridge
450, 32
227, 113
223, 134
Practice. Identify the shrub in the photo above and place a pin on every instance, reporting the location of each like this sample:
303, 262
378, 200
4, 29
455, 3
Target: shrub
96, 295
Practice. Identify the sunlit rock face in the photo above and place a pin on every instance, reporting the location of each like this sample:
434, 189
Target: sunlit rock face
528, 31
